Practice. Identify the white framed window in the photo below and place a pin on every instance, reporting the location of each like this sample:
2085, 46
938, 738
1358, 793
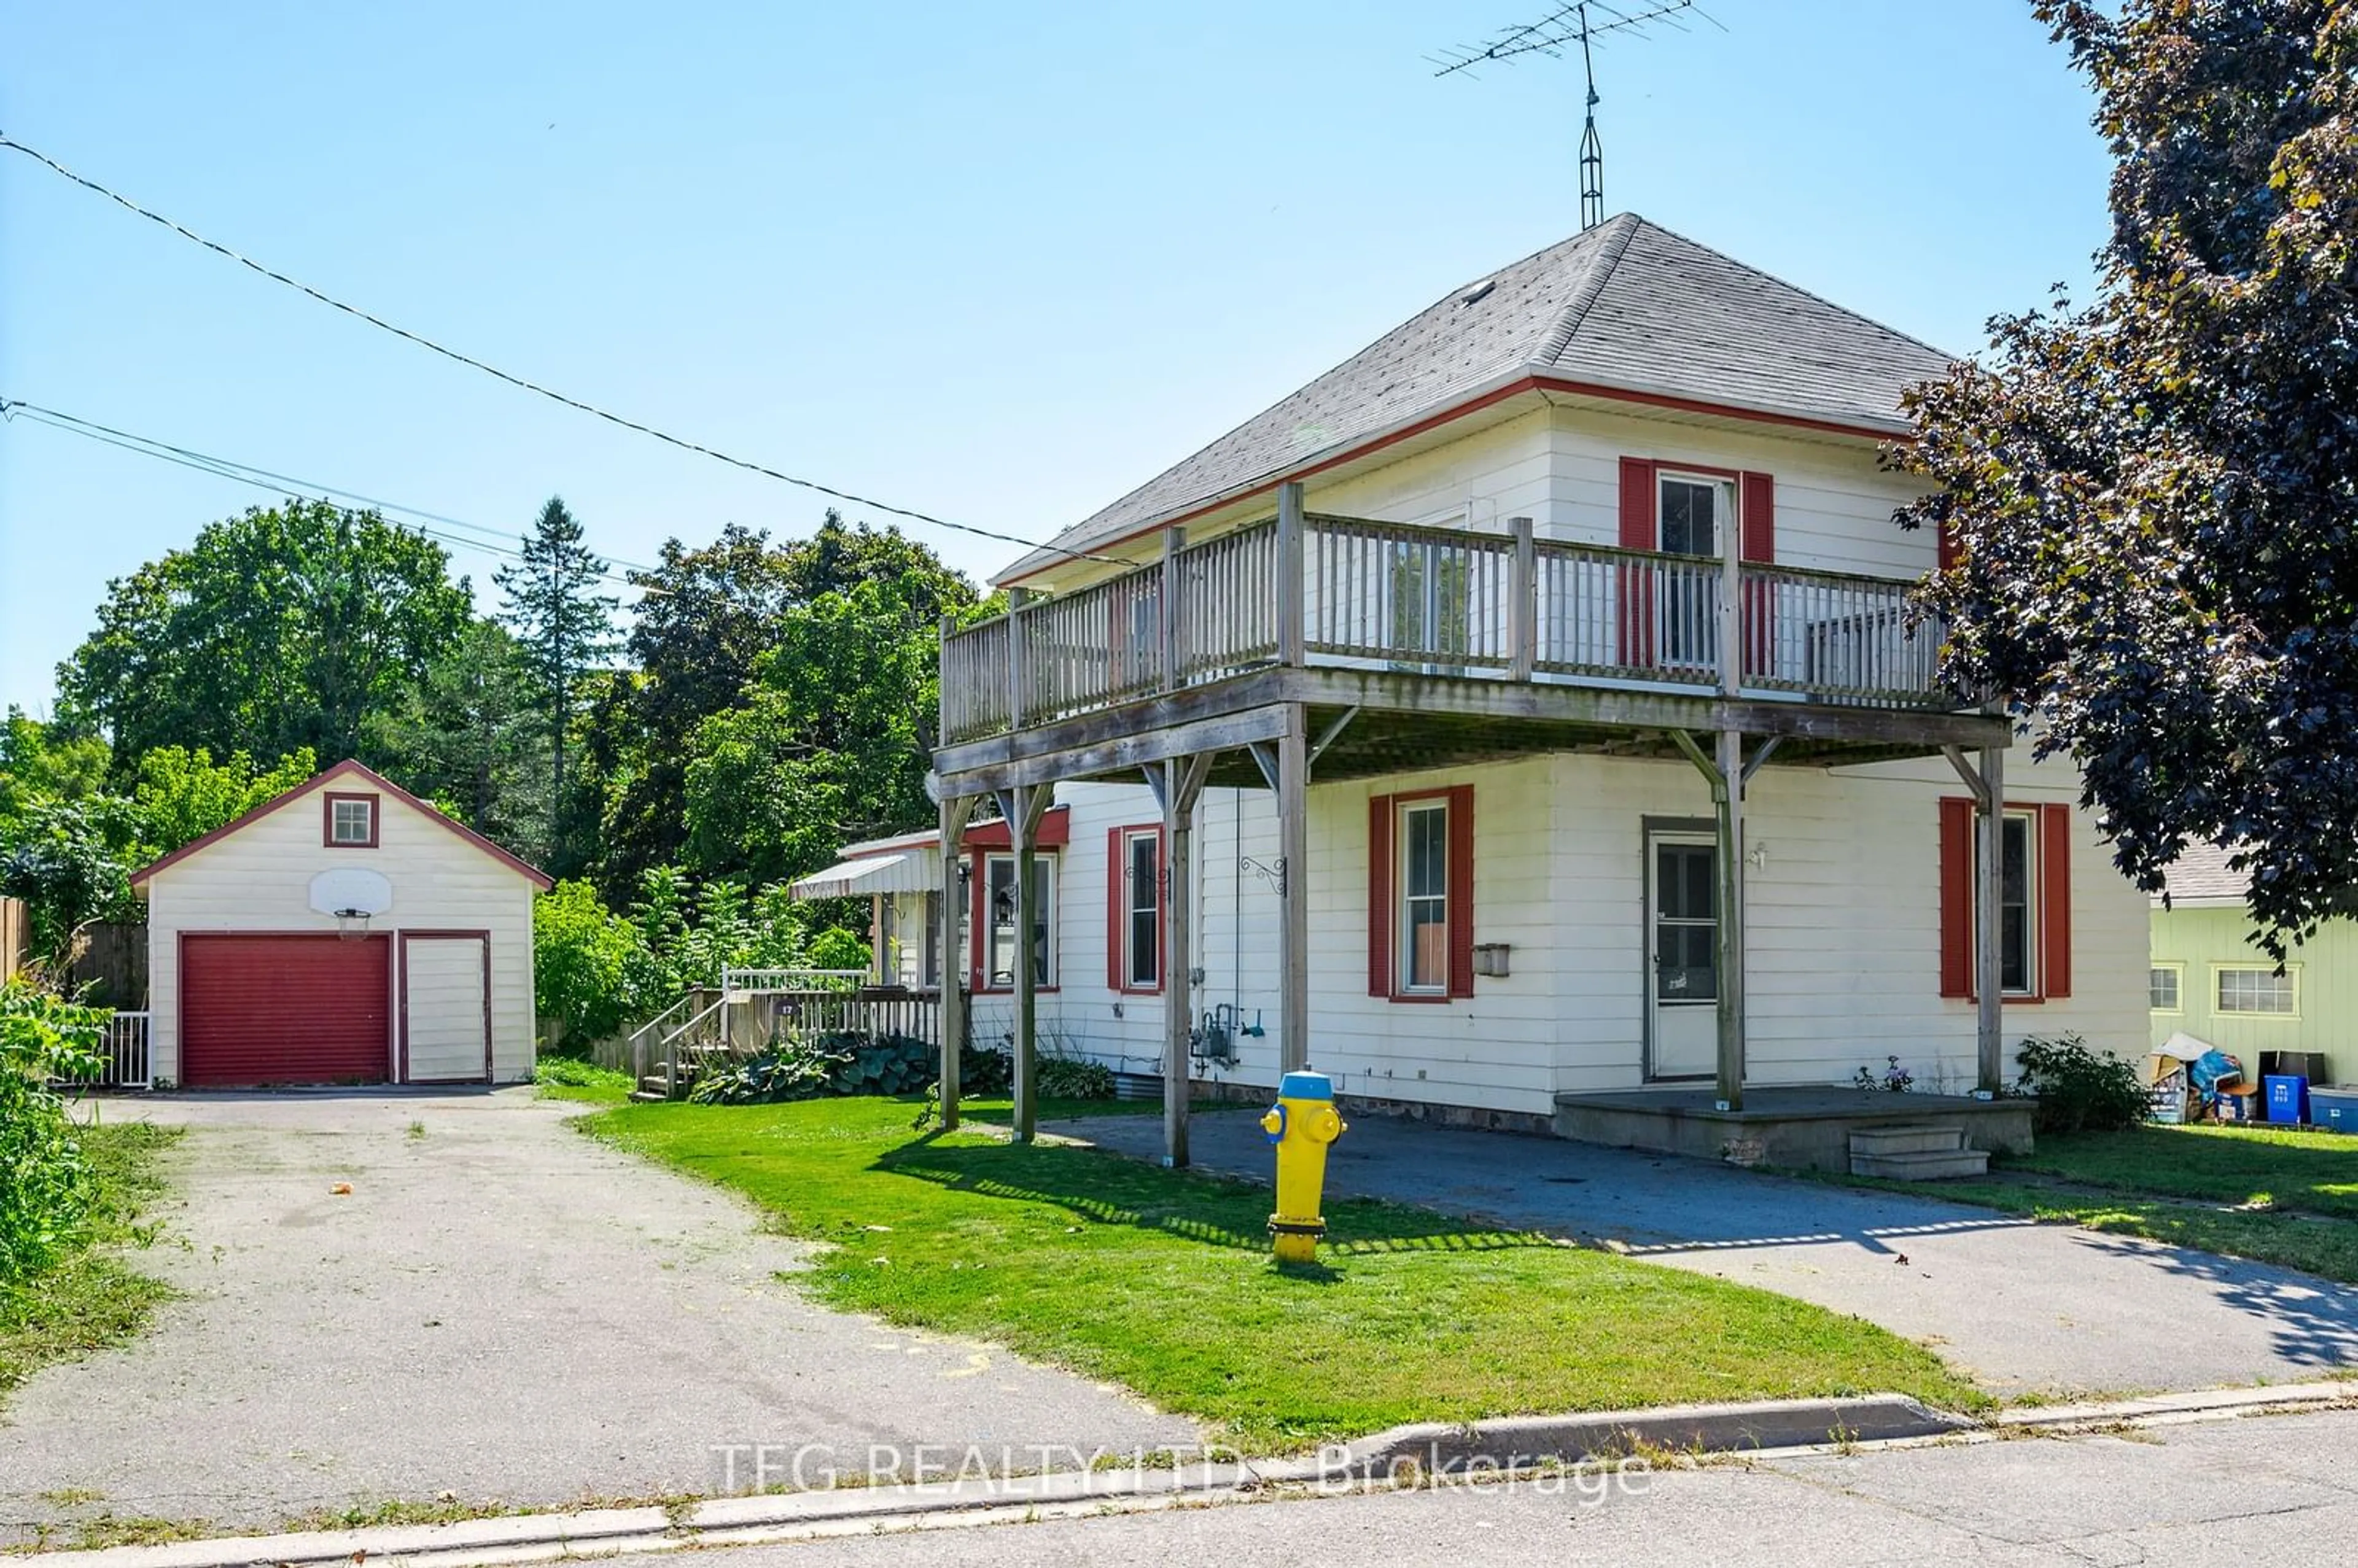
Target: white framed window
1423, 878
1691, 515
1001, 913
352, 821
2255, 991
2017, 903
2165, 988
1140, 866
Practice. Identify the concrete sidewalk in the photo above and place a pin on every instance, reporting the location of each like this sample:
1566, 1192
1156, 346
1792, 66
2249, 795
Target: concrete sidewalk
2020, 1307
501, 1309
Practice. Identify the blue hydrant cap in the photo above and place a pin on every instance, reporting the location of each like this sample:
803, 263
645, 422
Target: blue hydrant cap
1305, 1086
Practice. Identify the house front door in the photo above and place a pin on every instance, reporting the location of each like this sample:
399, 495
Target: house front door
1683, 950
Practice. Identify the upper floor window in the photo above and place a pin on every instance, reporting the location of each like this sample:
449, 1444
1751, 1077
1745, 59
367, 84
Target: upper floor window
352, 822
1690, 511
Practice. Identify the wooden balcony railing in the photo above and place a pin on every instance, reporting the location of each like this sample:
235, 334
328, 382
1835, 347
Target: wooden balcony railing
1349, 591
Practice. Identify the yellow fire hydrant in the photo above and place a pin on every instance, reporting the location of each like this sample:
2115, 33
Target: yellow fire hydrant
1302, 1123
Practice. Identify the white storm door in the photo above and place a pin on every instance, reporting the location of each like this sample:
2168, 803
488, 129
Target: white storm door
1682, 955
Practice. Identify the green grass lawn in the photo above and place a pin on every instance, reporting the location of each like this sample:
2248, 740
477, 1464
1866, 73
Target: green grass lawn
92, 1299
569, 1077
2281, 1195
1162, 1280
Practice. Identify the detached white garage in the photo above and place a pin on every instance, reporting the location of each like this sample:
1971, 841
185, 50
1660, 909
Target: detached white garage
343, 932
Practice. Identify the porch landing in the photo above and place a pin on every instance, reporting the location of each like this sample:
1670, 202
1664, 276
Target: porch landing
1803, 1124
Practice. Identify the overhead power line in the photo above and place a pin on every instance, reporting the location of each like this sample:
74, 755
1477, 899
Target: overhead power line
533, 386
266, 479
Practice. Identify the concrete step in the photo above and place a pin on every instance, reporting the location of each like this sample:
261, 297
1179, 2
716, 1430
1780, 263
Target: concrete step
1918, 1139
1923, 1165
648, 1096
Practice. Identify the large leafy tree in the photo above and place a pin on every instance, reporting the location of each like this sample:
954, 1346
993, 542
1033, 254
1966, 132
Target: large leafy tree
563, 626
710, 619
831, 743
472, 733
2153, 499
284, 628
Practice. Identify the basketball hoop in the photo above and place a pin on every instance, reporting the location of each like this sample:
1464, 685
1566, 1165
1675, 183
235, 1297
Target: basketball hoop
351, 925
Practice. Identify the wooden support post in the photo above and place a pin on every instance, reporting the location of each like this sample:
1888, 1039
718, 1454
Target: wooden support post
956, 812
1727, 803
1294, 892
1182, 785
1023, 807
1174, 645
1725, 775
1019, 670
1291, 532
1731, 609
1989, 974
1523, 603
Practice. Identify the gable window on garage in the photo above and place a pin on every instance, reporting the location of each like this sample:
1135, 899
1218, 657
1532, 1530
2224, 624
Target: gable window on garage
352, 822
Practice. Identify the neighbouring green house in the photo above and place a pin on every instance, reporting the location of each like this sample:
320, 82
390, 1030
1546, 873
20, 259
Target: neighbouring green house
2210, 981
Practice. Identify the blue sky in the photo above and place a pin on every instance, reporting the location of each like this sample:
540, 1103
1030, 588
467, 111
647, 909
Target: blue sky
999, 263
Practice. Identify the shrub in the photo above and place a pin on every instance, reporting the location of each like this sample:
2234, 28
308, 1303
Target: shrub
45, 1183
837, 948
587, 964
879, 1064
1072, 1077
790, 1069
2080, 1089
986, 1073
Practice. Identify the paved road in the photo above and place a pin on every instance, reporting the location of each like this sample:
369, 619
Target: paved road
500, 1308
2019, 1306
2257, 1490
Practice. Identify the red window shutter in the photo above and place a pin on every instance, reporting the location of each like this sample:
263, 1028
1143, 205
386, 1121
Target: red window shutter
1639, 531
1956, 896
1461, 890
1757, 507
1947, 538
1117, 908
1379, 895
1638, 508
2055, 901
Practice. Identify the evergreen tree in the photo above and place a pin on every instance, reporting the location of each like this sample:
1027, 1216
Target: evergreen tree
564, 628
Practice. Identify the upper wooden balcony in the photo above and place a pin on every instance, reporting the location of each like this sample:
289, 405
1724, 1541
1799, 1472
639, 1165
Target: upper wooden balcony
1429, 621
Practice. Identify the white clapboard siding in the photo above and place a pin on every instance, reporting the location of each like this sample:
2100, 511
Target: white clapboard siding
258, 879
442, 1016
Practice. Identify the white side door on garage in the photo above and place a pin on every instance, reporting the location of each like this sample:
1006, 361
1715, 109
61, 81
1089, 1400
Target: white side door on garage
446, 1008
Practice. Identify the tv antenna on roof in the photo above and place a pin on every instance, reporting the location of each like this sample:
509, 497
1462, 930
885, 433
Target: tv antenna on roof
1557, 33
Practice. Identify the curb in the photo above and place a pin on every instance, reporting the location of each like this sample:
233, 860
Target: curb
1418, 1453
2196, 1405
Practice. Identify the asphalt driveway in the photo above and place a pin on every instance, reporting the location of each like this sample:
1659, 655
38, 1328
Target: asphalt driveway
2020, 1307
501, 1309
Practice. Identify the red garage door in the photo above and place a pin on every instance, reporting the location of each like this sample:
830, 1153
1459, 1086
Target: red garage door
282, 1010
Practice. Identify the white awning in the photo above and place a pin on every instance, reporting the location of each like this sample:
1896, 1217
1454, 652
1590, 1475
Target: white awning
910, 871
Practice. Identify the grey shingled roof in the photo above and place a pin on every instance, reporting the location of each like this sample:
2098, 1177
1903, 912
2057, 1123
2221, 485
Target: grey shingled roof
1626, 304
2201, 873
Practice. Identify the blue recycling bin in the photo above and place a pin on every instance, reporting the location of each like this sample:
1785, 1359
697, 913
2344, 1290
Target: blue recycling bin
2287, 1099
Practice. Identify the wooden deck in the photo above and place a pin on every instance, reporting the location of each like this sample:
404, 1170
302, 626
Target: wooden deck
1417, 646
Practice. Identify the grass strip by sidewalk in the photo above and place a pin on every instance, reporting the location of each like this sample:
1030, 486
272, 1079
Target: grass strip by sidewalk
2282, 1195
92, 1298
1162, 1280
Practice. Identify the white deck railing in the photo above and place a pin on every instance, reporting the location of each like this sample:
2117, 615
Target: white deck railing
1440, 601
